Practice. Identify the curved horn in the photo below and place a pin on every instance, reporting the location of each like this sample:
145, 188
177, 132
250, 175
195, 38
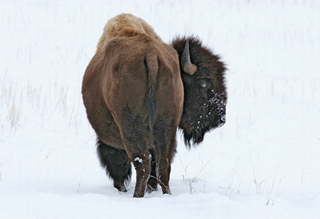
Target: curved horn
186, 64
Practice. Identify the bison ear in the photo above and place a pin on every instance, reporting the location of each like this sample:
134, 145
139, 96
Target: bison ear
186, 64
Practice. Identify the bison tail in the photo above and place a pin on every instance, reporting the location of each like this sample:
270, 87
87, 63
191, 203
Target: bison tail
151, 102
152, 108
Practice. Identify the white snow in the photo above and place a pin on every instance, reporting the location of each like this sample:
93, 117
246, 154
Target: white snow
138, 159
263, 163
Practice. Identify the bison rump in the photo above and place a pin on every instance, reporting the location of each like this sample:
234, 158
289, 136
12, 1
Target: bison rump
133, 95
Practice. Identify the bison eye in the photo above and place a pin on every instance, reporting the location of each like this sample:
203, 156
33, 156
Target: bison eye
204, 85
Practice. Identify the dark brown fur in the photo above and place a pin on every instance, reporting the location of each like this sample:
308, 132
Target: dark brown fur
205, 94
133, 94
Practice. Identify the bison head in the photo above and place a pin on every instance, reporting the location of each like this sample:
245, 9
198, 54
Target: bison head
205, 95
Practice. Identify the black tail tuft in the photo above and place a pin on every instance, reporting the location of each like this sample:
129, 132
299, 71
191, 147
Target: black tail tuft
151, 102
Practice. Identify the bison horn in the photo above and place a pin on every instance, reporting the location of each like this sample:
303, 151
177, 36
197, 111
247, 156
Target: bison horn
187, 66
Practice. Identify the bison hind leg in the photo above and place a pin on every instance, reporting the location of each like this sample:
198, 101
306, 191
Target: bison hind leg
153, 181
117, 164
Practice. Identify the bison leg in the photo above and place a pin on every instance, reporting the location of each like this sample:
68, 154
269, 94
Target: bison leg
153, 181
142, 164
165, 144
117, 164
134, 136
162, 169
164, 175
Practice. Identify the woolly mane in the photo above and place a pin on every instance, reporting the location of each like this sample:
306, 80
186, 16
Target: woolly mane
204, 106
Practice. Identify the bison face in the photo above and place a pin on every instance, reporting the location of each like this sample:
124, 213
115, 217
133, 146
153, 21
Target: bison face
205, 95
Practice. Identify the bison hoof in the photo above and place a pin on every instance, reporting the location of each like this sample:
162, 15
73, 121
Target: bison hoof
166, 190
151, 188
152, 184
121, 188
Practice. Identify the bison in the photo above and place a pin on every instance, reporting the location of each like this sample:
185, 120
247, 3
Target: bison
137, 93
133, 94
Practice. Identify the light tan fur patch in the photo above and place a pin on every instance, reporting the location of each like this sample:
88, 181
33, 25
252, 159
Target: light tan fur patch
125, 25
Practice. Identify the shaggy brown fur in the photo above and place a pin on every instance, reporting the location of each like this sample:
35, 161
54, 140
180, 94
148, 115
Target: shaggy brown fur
133, 94
205, 92
124, 25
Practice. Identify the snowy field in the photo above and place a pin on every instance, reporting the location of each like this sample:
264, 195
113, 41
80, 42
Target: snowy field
264, 163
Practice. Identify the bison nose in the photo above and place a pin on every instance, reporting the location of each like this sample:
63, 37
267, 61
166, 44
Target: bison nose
222, 120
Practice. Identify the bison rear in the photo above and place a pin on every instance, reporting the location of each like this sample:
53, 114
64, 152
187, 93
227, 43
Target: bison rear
133, 94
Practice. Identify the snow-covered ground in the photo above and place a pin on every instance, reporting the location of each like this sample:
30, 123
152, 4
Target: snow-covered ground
264, 163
